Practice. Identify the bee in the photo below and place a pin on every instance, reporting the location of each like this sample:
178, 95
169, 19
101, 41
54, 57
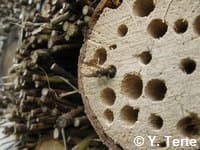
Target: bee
108, 72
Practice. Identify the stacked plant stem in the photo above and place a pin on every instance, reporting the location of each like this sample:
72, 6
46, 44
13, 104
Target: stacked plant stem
12, 11
11, 14
40, 95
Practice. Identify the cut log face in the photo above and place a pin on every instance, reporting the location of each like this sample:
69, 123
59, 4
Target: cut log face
154, 46
49, 144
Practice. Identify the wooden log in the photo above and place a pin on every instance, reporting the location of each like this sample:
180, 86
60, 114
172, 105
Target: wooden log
49, 144
154, 46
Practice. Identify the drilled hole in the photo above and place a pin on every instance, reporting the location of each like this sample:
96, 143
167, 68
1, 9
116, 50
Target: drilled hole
188, 65
162, 144
157, 28
114, 4
156, 89
108, 96
197, 25
100, 56
122, 30
145, 57
181, 26
129, 115
112, 47
156, 121
143, 7
108, 115
189, 126
132, 86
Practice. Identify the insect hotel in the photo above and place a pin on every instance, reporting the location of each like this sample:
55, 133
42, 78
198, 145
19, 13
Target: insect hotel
100, 74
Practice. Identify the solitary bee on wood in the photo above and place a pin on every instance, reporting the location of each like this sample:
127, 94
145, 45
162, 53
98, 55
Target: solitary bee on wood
108, 72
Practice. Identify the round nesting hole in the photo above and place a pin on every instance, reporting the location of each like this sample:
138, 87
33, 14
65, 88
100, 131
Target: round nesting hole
114, 4
143, 8
197, 24
100, 56
189, 126
162, 144
128, 115
108, 115
156, 89
145, 57
156, 121
157, 28
132, 86
108, 96
188, 65
113, 46
122, 30
180, 26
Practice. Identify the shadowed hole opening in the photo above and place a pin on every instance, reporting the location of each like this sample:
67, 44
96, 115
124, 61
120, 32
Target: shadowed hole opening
128, 115
181, 26
188, 65
108, 96
113, 46
162, 144
114, 4
143, 8
157, 28
100, 56
197, 25
145, 57
132, 86
189, 126
122, 30
156, 89
108, 115
156, 121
